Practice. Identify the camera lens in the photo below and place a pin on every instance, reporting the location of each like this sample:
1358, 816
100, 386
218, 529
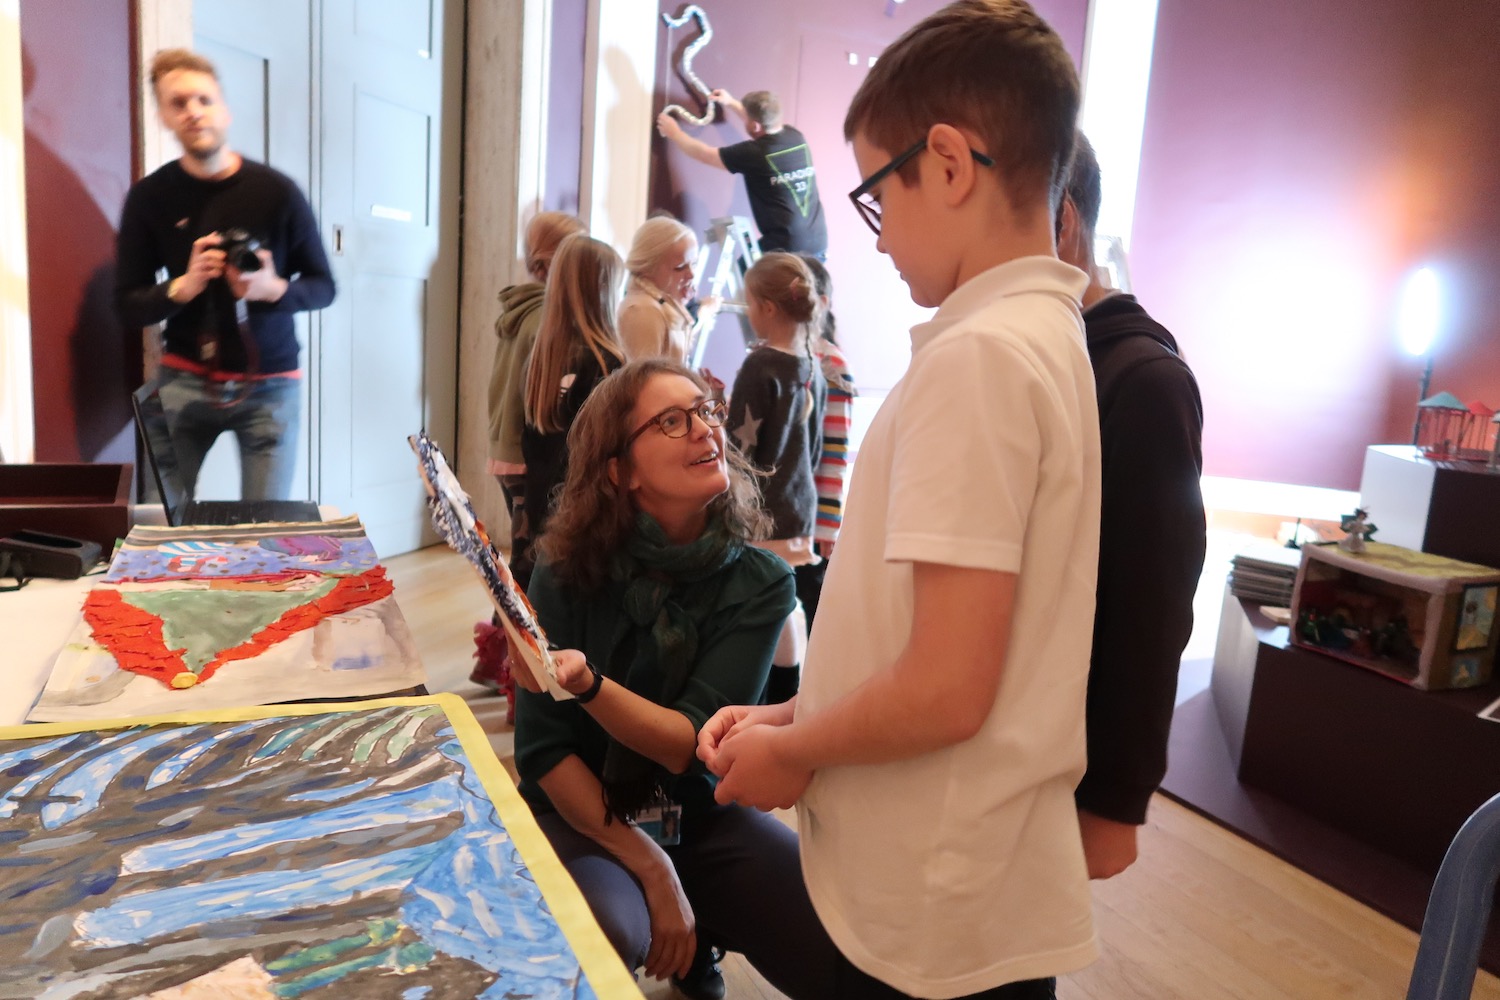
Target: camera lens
240, 249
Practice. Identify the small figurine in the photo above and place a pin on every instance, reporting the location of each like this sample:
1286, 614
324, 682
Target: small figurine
1359, 530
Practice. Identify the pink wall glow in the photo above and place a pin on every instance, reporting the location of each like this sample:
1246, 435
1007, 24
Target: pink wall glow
1298, 162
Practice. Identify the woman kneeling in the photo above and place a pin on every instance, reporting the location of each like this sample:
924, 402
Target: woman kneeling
665, 615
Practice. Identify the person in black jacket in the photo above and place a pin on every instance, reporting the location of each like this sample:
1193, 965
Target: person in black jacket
1152, 537
230, 354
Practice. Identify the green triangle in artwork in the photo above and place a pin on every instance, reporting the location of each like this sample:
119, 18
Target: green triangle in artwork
207, 622
790, 184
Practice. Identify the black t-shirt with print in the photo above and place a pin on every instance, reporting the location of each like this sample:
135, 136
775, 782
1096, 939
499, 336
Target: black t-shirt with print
783, 189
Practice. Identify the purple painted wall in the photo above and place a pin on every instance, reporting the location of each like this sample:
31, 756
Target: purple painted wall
565, 105
1299, 161
802, 51
78, 86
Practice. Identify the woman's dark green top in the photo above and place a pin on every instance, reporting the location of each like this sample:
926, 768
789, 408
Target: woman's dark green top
744, 605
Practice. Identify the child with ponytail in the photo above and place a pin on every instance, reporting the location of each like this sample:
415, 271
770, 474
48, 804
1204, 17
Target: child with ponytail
776, 420
833, 467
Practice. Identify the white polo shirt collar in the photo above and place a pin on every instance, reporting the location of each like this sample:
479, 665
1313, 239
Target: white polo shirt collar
1023, 275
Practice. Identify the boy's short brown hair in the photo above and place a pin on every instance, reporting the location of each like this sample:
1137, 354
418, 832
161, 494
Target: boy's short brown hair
993, 67
763, 108
1085, 184
171, 60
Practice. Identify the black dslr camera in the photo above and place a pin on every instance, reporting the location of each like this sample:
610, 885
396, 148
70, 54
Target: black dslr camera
239, 249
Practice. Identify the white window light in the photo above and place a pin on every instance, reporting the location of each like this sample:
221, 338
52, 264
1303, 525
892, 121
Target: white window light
1116, 76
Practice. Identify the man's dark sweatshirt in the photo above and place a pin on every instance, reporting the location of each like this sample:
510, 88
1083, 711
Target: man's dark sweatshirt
1151, 544
169, 209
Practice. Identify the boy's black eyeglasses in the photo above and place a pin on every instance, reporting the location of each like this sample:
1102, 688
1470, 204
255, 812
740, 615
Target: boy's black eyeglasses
869, 208
675, 421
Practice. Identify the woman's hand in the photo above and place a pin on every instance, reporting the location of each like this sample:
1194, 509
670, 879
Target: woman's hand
673, 937
572, 670
570, 667
520, 668
579, 798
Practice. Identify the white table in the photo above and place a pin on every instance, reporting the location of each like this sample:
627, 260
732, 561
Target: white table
36, 620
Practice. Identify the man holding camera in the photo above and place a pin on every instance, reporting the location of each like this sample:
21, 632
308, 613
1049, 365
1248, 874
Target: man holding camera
204, 243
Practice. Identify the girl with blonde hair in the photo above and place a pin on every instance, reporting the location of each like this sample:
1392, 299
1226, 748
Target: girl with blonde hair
654, 319
515, 334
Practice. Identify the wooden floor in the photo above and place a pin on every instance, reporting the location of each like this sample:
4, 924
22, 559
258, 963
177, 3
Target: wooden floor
1204, 915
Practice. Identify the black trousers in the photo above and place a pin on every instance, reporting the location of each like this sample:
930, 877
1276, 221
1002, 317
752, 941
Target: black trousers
742, 874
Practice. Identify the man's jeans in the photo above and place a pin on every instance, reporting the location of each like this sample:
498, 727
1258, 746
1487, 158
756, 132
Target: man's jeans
264, 416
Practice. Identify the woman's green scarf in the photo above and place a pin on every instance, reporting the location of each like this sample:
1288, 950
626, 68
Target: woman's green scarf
664, 604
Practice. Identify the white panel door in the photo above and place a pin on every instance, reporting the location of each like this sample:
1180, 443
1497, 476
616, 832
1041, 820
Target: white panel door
387, 364
264, 58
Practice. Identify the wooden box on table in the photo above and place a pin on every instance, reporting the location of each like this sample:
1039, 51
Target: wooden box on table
1423, 619
85, 501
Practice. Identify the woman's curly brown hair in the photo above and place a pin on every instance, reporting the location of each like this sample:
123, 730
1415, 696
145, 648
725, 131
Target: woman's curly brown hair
594, 515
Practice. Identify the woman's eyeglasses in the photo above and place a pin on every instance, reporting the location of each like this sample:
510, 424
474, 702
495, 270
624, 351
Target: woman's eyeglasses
676, 421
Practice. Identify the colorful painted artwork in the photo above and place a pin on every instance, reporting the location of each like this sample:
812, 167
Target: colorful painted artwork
706, 35
372, 850
453, 517
1476, 617
197, 618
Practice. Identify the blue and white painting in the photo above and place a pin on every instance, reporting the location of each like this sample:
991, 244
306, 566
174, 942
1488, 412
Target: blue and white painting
350, 854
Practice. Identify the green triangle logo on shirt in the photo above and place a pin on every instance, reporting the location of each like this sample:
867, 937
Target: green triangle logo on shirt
803, 197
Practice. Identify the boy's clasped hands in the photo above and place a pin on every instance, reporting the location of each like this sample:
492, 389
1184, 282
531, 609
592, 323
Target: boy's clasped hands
747, 747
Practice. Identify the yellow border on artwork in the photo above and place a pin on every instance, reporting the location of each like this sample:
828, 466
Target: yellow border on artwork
605, 972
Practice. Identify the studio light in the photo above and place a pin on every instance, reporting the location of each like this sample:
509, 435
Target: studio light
1420, 312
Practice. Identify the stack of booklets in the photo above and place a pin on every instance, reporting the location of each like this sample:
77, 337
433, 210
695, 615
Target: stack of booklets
1265, 575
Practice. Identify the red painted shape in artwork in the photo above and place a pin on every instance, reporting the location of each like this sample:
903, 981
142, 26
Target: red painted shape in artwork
134, 636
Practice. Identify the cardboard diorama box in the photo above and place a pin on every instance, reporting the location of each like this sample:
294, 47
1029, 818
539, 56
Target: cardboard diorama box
1423, 619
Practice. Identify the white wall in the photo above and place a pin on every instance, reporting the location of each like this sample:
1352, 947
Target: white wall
620, 60
504, 168
16, 426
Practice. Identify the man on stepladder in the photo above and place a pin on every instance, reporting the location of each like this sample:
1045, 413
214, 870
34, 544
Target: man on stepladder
777, 165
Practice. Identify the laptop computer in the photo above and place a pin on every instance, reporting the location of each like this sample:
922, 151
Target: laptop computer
156, 442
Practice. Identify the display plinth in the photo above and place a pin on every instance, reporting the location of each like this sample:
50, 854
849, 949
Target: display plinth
90, 502
1447, 508
1394, 767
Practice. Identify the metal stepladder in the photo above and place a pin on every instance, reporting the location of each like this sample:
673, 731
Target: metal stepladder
736, 249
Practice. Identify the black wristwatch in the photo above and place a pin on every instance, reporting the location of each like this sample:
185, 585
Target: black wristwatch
588, 696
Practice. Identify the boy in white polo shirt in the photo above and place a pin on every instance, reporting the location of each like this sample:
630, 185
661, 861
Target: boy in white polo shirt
938, 737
